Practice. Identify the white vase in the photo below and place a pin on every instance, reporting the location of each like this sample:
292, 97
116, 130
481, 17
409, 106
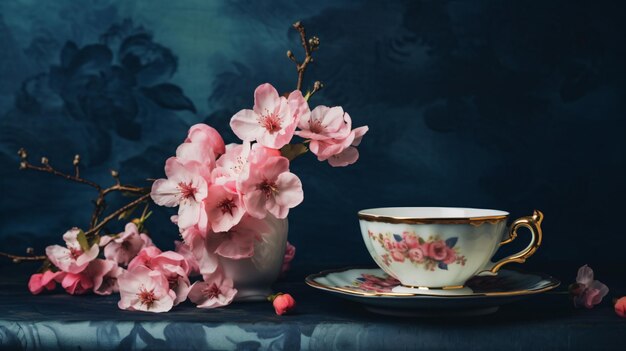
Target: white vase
254, 276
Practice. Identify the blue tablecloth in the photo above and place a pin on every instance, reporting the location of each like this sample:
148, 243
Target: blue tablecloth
323, 322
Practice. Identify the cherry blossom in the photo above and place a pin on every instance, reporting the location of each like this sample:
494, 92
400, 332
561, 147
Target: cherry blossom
215, 291
238, 242
270, 187
143, 289
126, 245
104, 274
43, 281
586, 291
224, 208
203, 145
324, 123
71, 258
273, 119
77, 283
185, 187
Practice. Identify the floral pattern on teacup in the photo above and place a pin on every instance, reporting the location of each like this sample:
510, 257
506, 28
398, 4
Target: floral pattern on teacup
430, 253
373, 283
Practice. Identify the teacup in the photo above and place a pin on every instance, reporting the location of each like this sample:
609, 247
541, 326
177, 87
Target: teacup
442, 247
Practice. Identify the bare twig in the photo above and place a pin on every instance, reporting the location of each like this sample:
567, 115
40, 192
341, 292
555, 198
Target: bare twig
24, 164
115, 214
309, 45
18, 259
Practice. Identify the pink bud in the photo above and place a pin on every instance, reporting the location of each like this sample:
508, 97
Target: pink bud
283, 304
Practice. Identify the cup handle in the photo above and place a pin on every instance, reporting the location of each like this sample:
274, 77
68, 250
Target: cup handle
533, 223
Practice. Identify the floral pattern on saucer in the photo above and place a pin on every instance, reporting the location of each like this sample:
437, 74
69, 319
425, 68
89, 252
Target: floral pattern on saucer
429, 253
373, 283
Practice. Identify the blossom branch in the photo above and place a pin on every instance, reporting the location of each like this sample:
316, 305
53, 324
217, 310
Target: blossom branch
100, 204
18, 259
309, 45
115, 214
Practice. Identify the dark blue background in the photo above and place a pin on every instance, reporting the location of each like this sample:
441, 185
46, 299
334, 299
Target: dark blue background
512, 105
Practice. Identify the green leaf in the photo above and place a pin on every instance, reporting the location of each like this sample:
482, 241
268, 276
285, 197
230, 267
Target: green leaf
82, 241
421, 241
291, 151
126, 214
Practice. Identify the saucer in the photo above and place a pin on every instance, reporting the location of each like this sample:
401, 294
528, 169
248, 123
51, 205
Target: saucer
381, 293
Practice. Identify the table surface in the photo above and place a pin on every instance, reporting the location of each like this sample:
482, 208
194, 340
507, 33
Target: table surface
322, 322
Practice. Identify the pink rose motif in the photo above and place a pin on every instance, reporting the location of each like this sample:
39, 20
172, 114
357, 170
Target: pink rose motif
273, 119
71, 258
104, 274
126, 245
143, 289
77, 283
397, 255
401, 246
186, 187
271, 188
215, 291
416, 255
43, 281
388, 244
290, 253
450, 256
411, 240
437, 250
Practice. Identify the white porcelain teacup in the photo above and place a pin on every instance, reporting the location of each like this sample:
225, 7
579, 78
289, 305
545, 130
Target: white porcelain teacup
442, 247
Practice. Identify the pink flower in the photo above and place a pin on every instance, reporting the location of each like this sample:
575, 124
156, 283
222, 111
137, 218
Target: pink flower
416, 255
620, 307
283, 304
231, 165
143, 289
215, 291
71, 259
185, 251
324, 123
203, 145
388, 244
586, 291
205, 257
208, 136
224, 208
401, 246
186, 187
450, 256
270, 187
46, 280
104, 274
126, 245
350, 154
437, 250
238, 242
273, 119
169, 263
397, 255
290, 253
411, 240
77, 283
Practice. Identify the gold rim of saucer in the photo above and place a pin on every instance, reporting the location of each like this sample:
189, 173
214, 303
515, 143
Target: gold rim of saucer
310, 281
413, 220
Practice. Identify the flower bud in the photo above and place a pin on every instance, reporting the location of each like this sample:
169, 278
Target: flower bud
44, 161
76, 160
314, 43
283, 303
